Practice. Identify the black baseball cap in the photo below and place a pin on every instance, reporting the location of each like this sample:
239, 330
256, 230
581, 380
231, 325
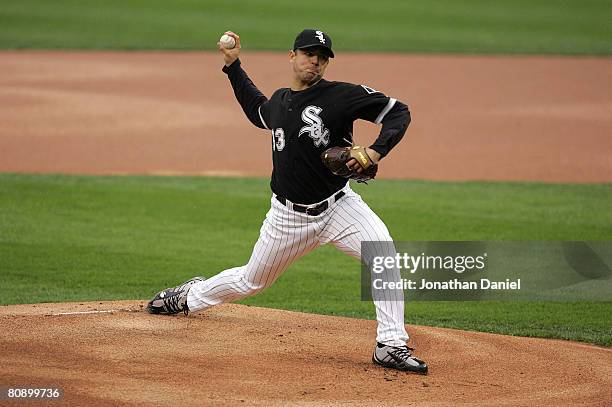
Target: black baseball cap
310, 38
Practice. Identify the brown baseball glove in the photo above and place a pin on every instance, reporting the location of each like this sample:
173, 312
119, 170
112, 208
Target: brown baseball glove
335, 158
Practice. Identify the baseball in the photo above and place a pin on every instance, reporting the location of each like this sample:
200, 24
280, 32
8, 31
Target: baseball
227, 41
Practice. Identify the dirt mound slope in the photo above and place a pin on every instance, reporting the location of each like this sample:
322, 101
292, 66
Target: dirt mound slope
114, 353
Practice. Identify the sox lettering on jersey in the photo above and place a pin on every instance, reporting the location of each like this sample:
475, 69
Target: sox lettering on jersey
315, 129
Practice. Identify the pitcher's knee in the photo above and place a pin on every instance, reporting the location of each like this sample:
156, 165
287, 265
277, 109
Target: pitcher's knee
252, 288
250, 285
257, 276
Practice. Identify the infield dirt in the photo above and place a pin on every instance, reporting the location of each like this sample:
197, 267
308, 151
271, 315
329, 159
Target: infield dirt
240, 355
474, 117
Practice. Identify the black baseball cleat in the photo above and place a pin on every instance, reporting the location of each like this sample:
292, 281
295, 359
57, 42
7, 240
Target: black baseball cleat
172, 300
398, 357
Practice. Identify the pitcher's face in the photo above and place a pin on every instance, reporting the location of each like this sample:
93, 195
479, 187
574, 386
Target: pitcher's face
308, 64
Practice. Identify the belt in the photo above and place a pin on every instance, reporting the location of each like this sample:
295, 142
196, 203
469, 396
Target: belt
311, 210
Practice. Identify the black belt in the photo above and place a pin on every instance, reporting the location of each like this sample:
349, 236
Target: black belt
311, 210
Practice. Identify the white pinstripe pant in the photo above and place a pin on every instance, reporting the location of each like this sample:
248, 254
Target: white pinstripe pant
285, 236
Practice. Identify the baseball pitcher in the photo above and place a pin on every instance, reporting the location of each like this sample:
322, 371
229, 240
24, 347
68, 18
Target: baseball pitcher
312, 204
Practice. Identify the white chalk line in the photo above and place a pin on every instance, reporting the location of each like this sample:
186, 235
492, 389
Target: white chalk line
93, 312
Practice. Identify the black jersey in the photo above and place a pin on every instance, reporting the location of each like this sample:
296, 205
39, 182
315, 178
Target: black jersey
305, 123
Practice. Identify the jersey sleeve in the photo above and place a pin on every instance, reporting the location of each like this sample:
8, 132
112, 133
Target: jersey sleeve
394, 126
263, 111
253, 102
368, 104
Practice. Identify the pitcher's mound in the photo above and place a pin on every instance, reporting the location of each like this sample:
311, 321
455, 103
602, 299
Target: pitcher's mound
114, 353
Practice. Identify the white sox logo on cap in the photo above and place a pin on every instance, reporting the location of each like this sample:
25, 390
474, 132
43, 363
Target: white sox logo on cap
314, 38
319, 35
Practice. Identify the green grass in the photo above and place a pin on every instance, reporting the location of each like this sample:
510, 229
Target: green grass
469, 26
76, 238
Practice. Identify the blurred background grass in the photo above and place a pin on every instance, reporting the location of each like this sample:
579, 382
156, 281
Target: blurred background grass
73, 238
467, 26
